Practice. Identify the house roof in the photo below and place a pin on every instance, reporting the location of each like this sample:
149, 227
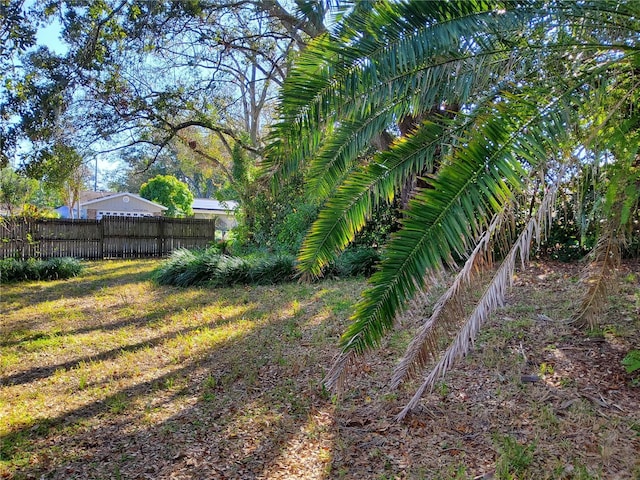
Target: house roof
210, 205
87, 195
111, 195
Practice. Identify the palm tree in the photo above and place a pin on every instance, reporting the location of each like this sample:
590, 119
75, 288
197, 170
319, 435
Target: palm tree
494, 106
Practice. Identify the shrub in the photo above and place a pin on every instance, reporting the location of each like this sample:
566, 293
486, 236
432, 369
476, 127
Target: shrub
186, 267
60, 268
14, 270
274, 269
356, 261
231, 271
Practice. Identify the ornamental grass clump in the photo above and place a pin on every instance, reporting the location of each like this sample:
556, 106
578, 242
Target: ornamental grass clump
16, 270
209, 267
183, 268
272, 269
356, 262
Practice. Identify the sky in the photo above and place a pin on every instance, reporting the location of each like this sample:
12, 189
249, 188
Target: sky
50, 37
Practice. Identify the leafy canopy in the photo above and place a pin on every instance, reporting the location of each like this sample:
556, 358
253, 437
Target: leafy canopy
170, 192
15, 190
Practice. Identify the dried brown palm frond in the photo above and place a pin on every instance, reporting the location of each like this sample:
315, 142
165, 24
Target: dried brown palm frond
335, 378
599, 273
448, 311
492, 298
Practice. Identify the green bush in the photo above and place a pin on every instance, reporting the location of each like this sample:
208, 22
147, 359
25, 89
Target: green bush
229, 271
14, 270
185, 268
355, 261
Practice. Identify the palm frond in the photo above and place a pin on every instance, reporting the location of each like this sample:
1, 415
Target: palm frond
470, 187
441, 221
449, 308
492, 298
621, 200
347, 211
598, 275
445, 218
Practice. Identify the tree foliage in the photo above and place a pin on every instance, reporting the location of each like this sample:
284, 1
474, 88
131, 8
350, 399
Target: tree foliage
481, 113
141, 74
170, 192
206, 176
17, 32
15, 190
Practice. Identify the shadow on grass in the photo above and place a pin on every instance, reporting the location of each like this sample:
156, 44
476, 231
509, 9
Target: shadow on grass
198, 417
43, 372
209, 439
95, 277
245, 377
250, 407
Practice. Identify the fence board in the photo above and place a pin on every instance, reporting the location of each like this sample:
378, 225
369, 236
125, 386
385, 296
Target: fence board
110, 237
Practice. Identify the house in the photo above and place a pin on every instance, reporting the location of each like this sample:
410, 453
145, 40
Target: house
95, 205
224, 212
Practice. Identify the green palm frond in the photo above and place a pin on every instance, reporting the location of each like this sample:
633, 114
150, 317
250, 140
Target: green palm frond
440, 223
443, 220
437, 225
347, 211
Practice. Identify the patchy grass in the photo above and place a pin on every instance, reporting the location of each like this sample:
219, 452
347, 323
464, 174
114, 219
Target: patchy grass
108, 375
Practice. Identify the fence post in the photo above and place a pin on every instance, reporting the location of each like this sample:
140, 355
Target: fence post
100, 239
160, 236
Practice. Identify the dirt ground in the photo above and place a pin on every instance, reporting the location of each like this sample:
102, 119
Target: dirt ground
536, 398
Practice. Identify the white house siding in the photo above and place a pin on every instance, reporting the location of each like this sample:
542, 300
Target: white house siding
101, 213
224, 212
121, 205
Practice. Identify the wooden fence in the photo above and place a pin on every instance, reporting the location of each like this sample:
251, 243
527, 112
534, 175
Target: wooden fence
110, 237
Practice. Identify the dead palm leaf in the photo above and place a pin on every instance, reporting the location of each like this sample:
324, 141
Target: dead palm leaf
492, 298
599, 275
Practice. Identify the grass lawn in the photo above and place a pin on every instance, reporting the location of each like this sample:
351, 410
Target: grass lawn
108, 376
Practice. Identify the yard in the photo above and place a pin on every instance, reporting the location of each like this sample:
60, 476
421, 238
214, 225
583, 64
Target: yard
109, 376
